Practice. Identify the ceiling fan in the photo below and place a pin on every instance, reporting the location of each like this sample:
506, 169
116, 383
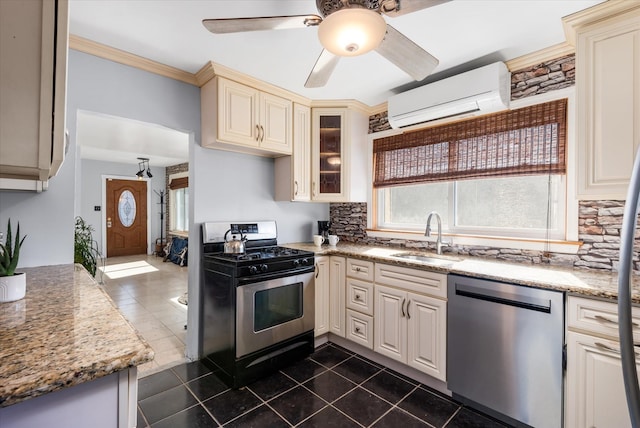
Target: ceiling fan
347, 28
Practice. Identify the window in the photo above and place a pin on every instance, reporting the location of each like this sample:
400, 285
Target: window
497, 175
179, 204
527, 207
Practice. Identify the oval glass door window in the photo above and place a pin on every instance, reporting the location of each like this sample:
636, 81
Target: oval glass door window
127, 208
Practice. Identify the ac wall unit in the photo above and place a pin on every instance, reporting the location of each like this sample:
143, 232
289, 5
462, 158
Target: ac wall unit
480, 91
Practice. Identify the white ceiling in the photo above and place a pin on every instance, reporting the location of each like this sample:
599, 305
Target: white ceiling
462, 34
122, 140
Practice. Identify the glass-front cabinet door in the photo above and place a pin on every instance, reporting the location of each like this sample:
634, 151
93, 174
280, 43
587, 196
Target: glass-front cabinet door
329, 154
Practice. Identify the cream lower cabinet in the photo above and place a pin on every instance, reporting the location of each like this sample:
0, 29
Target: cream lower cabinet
595, 395
595, 388
410, 327
337, 309
322, 296
359, 301
330, 295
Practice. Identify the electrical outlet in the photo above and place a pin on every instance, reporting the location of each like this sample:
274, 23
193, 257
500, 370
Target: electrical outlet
97, 208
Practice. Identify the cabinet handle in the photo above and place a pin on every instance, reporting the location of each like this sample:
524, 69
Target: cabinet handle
317, 271
261, 133
358, 269
408, 304
358, 297
357, 329
402, 307
313, 187
609, 320
295, 187
257, 132
610, 348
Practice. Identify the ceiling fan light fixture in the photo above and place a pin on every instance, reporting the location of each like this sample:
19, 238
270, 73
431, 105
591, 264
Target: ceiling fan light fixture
352, 31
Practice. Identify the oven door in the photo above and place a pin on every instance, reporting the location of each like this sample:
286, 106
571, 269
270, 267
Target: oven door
273, 310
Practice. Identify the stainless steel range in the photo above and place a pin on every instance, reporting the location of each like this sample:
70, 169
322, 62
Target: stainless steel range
258, 305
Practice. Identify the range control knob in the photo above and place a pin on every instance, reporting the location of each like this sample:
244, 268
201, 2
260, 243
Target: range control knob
305, 262
296, 263
253, 270
264, 268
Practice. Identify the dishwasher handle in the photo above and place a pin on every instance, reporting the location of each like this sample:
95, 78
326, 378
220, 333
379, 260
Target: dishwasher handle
511, 299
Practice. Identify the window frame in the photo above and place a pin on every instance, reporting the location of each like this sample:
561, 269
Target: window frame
172, 206
562, 244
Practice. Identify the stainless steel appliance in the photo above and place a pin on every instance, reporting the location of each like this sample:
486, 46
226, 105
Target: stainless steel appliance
258, 306
505, 350
627, 346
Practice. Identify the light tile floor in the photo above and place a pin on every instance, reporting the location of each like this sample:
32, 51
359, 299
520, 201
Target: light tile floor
146, 290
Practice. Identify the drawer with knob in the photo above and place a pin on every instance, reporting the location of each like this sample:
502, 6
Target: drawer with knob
360, 296
360, 269
598, 317
360, 328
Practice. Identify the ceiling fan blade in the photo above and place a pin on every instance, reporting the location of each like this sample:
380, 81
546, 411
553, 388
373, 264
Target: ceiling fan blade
395, 8
322, 70
406, 55
236, 25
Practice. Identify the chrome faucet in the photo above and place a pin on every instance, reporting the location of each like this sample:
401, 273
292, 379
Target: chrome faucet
439, 242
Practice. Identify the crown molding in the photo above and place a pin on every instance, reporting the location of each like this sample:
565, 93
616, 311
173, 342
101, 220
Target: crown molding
538, 57
608, 9
107, 52
212, 69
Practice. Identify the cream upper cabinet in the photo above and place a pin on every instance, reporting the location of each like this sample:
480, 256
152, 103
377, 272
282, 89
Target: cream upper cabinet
293, 173
33, 76
241, 118
595, 387
339, 155
607, 103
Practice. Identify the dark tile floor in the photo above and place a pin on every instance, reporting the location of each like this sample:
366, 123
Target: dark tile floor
332, 388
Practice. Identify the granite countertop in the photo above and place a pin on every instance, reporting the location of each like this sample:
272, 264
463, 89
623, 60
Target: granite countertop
66, 331
579, 281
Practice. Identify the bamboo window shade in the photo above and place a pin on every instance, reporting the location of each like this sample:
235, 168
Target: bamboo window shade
526, 141
179, 183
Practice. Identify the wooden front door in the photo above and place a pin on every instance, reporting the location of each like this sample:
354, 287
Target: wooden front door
126, 217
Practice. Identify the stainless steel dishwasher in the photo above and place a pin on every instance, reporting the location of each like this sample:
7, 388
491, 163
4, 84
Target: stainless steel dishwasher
505, 350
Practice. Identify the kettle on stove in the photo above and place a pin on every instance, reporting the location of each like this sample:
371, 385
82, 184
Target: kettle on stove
235, 246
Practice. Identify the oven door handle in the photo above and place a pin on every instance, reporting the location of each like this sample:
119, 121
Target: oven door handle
273, 275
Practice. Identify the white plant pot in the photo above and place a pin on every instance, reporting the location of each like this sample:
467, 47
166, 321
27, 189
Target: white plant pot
13, 287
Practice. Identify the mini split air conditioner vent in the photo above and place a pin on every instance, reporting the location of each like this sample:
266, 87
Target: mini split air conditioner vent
480, 91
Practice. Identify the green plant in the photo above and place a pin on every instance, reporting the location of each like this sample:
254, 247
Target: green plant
85, 251
10, 252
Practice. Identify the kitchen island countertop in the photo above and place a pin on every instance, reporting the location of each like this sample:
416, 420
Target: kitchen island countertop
66, 331
579, 281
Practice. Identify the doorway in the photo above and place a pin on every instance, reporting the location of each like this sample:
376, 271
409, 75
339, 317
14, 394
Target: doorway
126, 217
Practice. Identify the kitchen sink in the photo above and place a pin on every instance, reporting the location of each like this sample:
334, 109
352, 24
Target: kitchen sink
422, 258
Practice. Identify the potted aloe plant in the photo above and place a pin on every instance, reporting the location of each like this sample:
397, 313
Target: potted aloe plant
13, 285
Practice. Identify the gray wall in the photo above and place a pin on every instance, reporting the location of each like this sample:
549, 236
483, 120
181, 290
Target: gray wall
223, 185
92, 172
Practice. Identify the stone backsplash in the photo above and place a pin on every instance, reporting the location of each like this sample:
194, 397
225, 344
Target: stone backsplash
599, 230
547, 76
